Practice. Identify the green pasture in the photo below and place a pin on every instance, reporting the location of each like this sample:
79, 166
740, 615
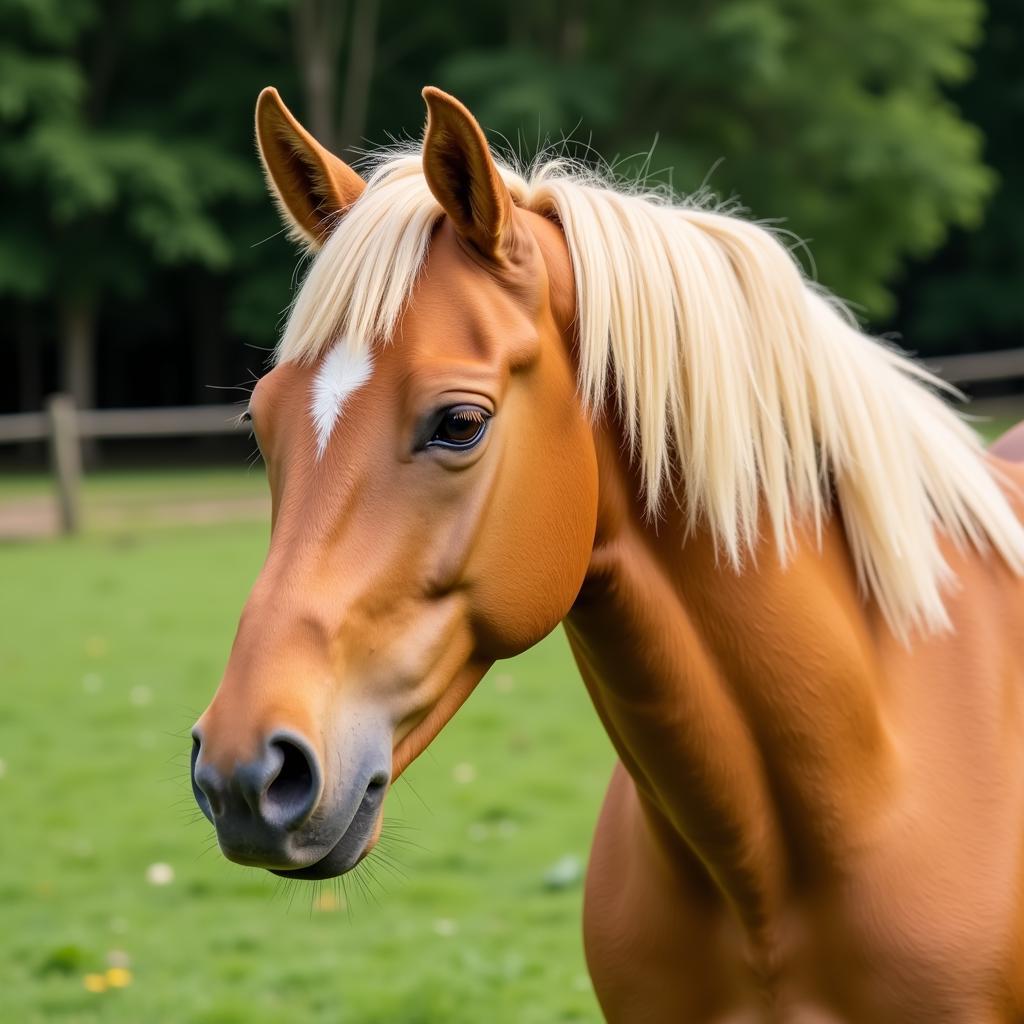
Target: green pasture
110, 646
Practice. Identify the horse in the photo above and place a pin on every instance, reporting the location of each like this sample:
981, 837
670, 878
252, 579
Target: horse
790, 576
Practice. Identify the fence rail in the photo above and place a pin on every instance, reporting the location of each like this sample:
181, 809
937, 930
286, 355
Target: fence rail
64, 427
979, 367
24, 426
168, 421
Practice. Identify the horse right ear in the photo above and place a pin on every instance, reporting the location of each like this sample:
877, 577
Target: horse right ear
312, 186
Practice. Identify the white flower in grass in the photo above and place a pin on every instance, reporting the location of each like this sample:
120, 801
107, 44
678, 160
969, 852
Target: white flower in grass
504, 683
464, 773
564, 873
82, 847
159, 874
445, 927
507, 828
92, 682
141, 696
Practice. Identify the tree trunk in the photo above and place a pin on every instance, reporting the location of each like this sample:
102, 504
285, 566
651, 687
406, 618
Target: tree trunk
361, 52
573, 31
207, 329
318, 29
30, 372
78, 360
208, 333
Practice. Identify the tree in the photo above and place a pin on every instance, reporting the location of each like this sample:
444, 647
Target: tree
131, 199
319, 32
969, 295
104, 179
831, 116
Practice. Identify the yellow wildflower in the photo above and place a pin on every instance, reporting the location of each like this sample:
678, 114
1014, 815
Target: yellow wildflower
328, 901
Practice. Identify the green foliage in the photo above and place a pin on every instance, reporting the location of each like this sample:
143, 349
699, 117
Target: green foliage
970, 297
827, 117
103, 162
127, 164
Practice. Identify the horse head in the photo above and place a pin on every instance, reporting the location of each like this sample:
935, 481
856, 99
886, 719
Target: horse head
434, 493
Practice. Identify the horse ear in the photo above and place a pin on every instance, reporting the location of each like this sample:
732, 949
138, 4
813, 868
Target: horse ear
461, 173
311, 185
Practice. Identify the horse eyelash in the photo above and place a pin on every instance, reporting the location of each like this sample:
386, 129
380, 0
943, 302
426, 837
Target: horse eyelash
468, 415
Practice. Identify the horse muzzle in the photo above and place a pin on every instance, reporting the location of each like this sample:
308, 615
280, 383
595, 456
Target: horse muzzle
273, 811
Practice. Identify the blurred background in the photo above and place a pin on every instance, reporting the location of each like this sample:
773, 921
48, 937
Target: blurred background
143, 277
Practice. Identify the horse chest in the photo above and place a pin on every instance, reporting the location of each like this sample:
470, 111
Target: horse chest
909, 934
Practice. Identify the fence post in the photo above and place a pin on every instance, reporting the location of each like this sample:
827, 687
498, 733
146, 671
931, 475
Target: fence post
66, 459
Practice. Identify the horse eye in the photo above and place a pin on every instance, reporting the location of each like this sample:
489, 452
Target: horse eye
461, 427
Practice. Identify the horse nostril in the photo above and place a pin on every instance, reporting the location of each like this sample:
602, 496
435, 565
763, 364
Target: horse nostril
293, 792
204, 786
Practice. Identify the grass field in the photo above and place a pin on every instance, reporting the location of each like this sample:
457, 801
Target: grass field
111, 645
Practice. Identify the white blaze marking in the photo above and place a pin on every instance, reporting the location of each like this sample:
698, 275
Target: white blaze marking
342, 372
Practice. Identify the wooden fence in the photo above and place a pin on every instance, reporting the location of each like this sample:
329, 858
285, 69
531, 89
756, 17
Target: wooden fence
63, 427
980, 367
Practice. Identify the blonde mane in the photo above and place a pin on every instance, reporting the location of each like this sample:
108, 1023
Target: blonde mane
733, 374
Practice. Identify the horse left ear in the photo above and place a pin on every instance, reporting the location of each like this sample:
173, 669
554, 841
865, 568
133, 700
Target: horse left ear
461, 173
312, 186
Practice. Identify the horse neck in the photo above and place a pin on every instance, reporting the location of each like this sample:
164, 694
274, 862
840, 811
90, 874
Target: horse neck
745, 706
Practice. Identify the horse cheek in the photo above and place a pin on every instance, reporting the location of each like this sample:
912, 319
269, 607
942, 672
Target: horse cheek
537, 545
